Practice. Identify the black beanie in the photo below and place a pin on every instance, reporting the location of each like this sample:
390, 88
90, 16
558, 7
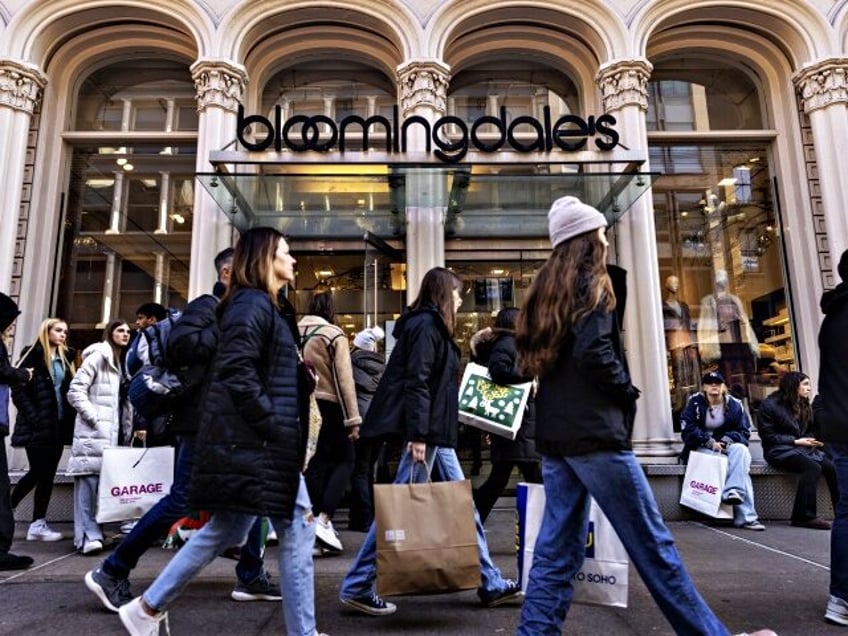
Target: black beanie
843, 266
8, 311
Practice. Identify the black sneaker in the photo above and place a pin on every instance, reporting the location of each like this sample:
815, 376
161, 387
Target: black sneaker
9, 561
511, 592
112, 591
259, 589
370, 604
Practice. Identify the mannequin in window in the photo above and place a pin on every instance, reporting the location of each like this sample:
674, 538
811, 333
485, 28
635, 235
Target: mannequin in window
725, 335
680, 343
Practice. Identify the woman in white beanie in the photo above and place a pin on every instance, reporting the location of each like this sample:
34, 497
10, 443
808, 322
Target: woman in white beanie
568, 337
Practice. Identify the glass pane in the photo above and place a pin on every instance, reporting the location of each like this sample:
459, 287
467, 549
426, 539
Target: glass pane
725, 304
688, 95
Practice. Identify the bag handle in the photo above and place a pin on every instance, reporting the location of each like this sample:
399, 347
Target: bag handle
426, 466
143, 445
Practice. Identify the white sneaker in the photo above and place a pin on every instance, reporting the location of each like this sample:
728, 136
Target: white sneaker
327, 536
127, 526
837, 610
140, 623
40, 531
92, 547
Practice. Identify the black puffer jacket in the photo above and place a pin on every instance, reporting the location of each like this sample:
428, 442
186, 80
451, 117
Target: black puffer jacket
250, 446
38, 422
418, 397
833, 369
368, 369
191, 349
504, 370
587, 403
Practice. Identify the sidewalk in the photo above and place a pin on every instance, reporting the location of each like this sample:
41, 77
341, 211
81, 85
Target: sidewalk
778, 579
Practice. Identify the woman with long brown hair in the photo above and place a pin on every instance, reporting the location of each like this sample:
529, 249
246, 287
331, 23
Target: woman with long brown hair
417, 400
45, 420
251, 445
790, 442
568, 336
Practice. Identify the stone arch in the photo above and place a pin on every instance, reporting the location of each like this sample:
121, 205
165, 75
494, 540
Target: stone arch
42, 28
384, 25
839, 19
795, 28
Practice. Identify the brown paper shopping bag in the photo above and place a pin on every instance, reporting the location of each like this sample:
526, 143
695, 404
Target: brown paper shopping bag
426, 538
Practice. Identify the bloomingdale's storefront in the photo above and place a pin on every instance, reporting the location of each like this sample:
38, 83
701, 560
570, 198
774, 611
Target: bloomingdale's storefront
384, 143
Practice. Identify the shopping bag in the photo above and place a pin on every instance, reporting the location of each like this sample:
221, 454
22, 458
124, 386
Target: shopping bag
132, 480
703, 484
426, 538
604, 577
185, 528
495, 408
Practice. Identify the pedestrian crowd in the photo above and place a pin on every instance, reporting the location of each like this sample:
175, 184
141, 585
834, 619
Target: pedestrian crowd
252, 377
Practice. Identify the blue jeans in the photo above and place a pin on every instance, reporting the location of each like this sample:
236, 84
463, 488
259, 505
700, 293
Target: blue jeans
617, 482
362, 576
225, 529
839, 533
158, 520
739, 480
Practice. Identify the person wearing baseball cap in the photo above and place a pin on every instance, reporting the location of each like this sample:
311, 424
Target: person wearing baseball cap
715, 421
568, 337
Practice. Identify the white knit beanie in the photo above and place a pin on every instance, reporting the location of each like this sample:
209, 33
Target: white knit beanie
570, 217
368, 338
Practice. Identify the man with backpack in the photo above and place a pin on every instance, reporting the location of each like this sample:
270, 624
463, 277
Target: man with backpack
191, 348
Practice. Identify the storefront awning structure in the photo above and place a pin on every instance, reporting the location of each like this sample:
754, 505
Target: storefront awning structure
311, 195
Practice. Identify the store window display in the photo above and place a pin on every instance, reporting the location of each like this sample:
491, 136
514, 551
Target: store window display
682, 348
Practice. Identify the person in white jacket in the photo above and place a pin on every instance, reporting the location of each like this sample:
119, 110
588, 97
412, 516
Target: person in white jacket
103, 419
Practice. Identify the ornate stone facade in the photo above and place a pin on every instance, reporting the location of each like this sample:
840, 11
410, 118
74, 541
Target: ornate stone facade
423, 84
20, 85
823, 83
624, 83
219, 83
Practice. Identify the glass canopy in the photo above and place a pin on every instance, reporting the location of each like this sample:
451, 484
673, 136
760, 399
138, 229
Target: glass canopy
344, 200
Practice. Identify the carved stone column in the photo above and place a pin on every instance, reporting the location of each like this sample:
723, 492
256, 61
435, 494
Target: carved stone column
422, 90
220, 88
824, 94
21, 87
624, 87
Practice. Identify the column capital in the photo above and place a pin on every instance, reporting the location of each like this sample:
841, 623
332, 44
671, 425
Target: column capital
219, 83
21, 85
823, 83
423, 84
624, 83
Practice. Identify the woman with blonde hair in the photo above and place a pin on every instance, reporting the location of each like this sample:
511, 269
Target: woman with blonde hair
568, 337
45, 420
104, 417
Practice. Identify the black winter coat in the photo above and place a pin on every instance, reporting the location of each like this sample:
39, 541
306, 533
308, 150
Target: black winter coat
368, 369
418, 396
250, 446
833, 366
587, 403
38, 422
10, 376
503, 368
191, 350
779, 429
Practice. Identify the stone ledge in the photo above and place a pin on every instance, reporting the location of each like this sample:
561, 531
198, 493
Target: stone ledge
757, 468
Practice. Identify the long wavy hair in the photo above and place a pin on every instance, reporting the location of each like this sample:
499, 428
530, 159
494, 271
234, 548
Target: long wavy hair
43, 338
253, 265
571, 284
437, 289
788, 396
119, 353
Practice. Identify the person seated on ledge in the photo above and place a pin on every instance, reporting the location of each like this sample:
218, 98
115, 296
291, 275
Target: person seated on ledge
789, 442
714, 421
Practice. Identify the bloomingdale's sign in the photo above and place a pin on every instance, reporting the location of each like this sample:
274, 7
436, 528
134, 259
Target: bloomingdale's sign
301, 133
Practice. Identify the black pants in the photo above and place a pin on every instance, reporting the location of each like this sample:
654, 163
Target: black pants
486, 495
7, 520
43, 461
330, 468
810, 470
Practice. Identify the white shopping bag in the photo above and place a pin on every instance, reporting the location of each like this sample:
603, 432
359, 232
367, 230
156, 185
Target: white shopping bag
494, 408
703, 484
604, 577
132, 480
